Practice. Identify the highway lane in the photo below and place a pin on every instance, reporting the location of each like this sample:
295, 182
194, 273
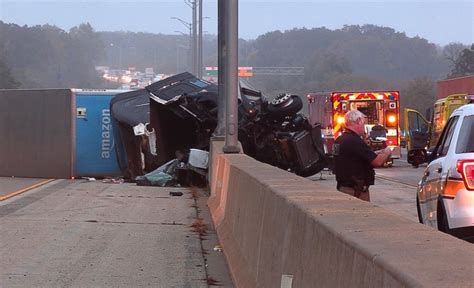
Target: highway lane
79, 233
12, 186
75, 233
402, 172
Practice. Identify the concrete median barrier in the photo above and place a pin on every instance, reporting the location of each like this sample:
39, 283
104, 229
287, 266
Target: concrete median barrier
281, 230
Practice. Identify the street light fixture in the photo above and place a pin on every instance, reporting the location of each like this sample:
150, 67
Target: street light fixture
200, 46
181, 32
192, 43
186, 49
187, 24
193, 4
119, 50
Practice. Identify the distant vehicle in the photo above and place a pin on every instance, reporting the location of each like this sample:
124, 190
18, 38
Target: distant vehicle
443, 108
134, 83
328, 109
421, 134
445, 195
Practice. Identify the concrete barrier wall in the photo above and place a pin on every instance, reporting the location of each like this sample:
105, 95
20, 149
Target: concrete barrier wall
281, 230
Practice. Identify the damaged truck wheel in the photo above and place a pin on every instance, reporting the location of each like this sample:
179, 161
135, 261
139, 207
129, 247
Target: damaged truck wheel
284, 105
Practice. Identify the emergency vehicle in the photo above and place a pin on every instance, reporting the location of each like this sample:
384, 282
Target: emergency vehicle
421, 134
329, 109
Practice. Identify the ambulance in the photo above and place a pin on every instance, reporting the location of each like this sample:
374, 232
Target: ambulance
329, 108
421, 134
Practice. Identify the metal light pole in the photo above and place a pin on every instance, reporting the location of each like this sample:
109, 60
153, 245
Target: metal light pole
195, 40
221, 68
187, 53
231, 82
193, 4
119, 50
199, 56
200, 65
192, 41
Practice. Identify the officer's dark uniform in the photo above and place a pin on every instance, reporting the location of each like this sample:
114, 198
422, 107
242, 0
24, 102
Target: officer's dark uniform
352, 165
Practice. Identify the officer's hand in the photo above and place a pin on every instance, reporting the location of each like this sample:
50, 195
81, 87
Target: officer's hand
387, 150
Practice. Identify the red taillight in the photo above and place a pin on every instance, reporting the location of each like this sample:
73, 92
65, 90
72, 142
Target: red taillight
466, 169
391, 119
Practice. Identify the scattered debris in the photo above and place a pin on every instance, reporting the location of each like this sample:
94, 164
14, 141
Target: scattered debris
212, 281
91, 179
117, 180
218, 248
199, 227
176, 193
188, 169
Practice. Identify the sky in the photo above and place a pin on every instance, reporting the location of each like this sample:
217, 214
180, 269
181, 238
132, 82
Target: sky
440, 22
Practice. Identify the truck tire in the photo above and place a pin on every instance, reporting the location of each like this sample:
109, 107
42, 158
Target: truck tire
284, 105
441, 217
418, 210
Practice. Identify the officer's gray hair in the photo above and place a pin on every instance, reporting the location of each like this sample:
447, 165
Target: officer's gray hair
353, 116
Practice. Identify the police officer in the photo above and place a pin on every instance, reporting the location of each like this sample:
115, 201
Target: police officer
354, 161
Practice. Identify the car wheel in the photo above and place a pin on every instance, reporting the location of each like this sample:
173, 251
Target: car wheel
284, 105
442, 219
418, 209
389, 163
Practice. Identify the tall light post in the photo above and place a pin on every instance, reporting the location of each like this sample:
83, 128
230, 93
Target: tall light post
119, 49
187, 52
195, 38
192, 41
199, 62
200, 46
193, 4
230, 14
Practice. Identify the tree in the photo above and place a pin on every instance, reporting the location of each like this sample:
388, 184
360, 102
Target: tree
6, 79
417, 93
453, 51
464, 64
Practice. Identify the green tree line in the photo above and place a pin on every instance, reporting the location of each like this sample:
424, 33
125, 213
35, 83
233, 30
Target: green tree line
351, 58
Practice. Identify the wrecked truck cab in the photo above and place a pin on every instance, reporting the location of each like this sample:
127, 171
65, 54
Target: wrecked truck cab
183, 113
132, 134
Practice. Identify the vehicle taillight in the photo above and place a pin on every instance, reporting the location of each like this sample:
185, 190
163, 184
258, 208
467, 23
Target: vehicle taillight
340, 119
466, 169
391, 119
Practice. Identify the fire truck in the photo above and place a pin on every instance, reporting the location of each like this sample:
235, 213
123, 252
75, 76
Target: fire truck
328, 109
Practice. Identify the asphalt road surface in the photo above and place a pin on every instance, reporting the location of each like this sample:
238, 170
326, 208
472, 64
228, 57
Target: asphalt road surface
92, 234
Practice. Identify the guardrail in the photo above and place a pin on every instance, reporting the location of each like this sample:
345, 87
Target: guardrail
281, 230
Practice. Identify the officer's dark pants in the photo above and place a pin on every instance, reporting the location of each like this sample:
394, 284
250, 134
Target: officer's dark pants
349, 190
